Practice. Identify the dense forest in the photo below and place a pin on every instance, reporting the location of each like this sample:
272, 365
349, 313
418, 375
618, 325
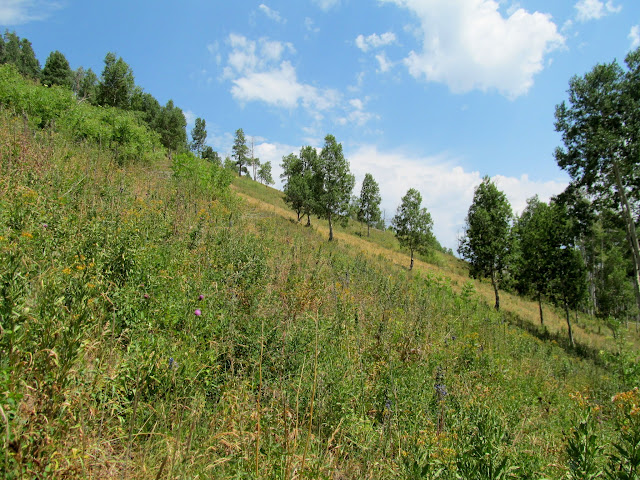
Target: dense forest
166, 314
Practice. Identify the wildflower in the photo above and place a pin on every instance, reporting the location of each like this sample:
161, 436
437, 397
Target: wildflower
197, 313
146, 296
201, 297
172, 363
44, 225
441, 390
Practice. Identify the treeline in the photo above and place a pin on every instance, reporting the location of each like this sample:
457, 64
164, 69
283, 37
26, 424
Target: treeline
321, 184
114, 88
580, 250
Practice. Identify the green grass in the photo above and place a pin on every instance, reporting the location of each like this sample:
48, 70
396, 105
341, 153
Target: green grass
302, 359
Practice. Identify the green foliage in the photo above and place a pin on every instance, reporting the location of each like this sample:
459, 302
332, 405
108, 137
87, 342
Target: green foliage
369, 202
240, 152
171, 125
332, 183
264, 174
198, 136
56, 70
205, 176
85, 85
116, 83
412, 224
486, 241
212, 156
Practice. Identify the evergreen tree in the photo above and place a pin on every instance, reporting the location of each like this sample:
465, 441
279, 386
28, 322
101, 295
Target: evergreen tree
486, 240
332, 182
369, 203
412, 224
116, 83
56, 70
28, 64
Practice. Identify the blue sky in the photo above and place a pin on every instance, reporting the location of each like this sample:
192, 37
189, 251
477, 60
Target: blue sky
429, 94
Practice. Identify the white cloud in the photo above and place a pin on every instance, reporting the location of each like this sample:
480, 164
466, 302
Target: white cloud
594, 9
310, 25
356, 114
634, 36
17, 12
446, 188
326, 4
468, 44
190, 117
272, 14
259, 73
375, 41
384, 65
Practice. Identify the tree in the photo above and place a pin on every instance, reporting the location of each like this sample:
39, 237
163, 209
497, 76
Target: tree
533, 238
198, 135
147, 105
486, 240
28, 63
369, 211
209, 154
264, 174
12, 52
412, 224
56, 70
332, 182
240, 151
171, 126
85, 84
116, 83
600, 130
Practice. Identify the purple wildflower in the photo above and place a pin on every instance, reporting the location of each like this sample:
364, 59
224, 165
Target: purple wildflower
201, 297
146, 296
197, 313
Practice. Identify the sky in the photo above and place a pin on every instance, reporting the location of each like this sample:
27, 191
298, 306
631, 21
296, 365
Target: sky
425, 94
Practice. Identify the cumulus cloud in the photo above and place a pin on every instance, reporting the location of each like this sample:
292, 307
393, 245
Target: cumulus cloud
469, 45
594, 9
446, 188
375, 41
18, 12
259, 73
271, 14
634, 36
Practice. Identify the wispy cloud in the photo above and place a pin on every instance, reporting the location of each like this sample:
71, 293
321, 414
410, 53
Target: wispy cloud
272, 14
469, 45
326, 4
18, 12
634, 36
594, 9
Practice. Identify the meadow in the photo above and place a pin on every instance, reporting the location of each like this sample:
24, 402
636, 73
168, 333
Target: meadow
159, 323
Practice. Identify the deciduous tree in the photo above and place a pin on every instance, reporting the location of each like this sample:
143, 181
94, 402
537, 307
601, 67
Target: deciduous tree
116, 83
412, 224
486, 240
264, 174
240, 151
198, 135
332, 182
369, 203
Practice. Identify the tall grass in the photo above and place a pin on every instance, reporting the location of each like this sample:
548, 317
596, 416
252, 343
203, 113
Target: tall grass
155, 326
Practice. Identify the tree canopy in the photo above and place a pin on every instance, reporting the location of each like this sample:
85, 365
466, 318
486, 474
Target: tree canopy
116, 83
56, 70
412, 224
486, 240
369, 202
240, 151
198, 135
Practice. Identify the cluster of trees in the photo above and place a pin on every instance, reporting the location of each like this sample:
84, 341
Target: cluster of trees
241, 161
581, 249
321, 184
114, 88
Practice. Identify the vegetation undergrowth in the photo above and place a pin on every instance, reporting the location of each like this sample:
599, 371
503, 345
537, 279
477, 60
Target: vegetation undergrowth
154, 325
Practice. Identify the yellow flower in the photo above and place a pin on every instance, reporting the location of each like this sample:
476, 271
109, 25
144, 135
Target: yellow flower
66, 271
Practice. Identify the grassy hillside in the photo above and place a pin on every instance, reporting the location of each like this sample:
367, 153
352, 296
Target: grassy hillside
157, 325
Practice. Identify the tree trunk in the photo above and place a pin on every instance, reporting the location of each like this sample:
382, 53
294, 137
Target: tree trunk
411, 265
540, 308
632, 237
368, 230
308, 219
330, 229
298, 212
494, 282
566, 311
